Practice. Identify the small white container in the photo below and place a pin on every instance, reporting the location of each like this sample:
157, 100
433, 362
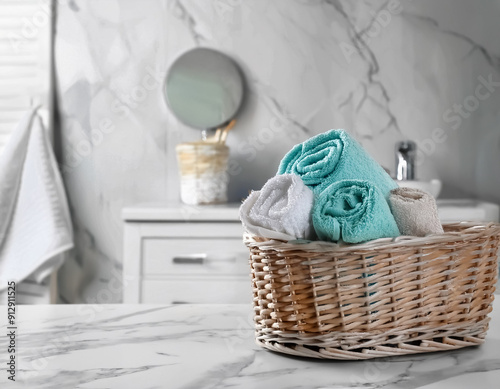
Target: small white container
203, 172
433, 186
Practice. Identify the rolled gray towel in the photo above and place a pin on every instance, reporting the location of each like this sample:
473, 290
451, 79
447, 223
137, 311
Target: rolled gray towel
415, 212
280, 210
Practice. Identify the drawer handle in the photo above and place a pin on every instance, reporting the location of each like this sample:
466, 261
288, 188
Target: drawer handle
195, 259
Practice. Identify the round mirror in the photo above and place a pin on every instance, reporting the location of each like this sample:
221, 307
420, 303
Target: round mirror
204, 88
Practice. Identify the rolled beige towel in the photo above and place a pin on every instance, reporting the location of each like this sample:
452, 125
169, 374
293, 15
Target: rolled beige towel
415, 212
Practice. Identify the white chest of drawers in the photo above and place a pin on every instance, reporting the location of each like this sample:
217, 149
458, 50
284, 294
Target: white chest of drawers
184, 254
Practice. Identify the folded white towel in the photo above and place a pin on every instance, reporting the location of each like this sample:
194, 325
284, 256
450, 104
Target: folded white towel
280, 210
35, 224
415, 212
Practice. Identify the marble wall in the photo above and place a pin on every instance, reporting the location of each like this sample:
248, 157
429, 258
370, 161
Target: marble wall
384, 70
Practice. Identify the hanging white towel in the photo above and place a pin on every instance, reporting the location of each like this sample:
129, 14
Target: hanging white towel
35, 223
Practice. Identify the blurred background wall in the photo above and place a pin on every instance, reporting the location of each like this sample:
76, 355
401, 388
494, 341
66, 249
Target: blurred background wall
385, 71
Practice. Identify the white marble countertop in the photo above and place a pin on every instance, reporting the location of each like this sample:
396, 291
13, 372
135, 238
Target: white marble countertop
181, 212
449, 211
208, 346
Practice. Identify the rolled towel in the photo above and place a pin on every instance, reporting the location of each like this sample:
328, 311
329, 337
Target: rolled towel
280, 210
415, 212
353, 211
334, 156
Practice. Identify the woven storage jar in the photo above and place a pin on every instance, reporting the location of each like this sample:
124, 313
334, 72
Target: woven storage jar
203, 171
382, 298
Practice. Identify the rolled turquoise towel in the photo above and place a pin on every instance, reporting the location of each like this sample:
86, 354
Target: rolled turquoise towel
352, 211
334, 156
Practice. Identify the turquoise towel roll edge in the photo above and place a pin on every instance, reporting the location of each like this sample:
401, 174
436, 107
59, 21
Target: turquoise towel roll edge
353, 211
333, 156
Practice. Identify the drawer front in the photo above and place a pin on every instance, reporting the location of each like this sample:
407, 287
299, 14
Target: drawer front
200, 256
197, 291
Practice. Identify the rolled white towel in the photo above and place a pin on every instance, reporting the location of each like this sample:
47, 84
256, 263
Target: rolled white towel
280, 210
415, 212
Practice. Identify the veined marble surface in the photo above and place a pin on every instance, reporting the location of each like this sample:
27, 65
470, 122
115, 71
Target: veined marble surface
210, 346
385, 70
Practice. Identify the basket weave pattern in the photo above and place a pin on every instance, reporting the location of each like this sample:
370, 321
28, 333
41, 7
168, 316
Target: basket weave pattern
386, 297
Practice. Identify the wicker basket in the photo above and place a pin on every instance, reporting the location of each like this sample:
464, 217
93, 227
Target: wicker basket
383, 298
